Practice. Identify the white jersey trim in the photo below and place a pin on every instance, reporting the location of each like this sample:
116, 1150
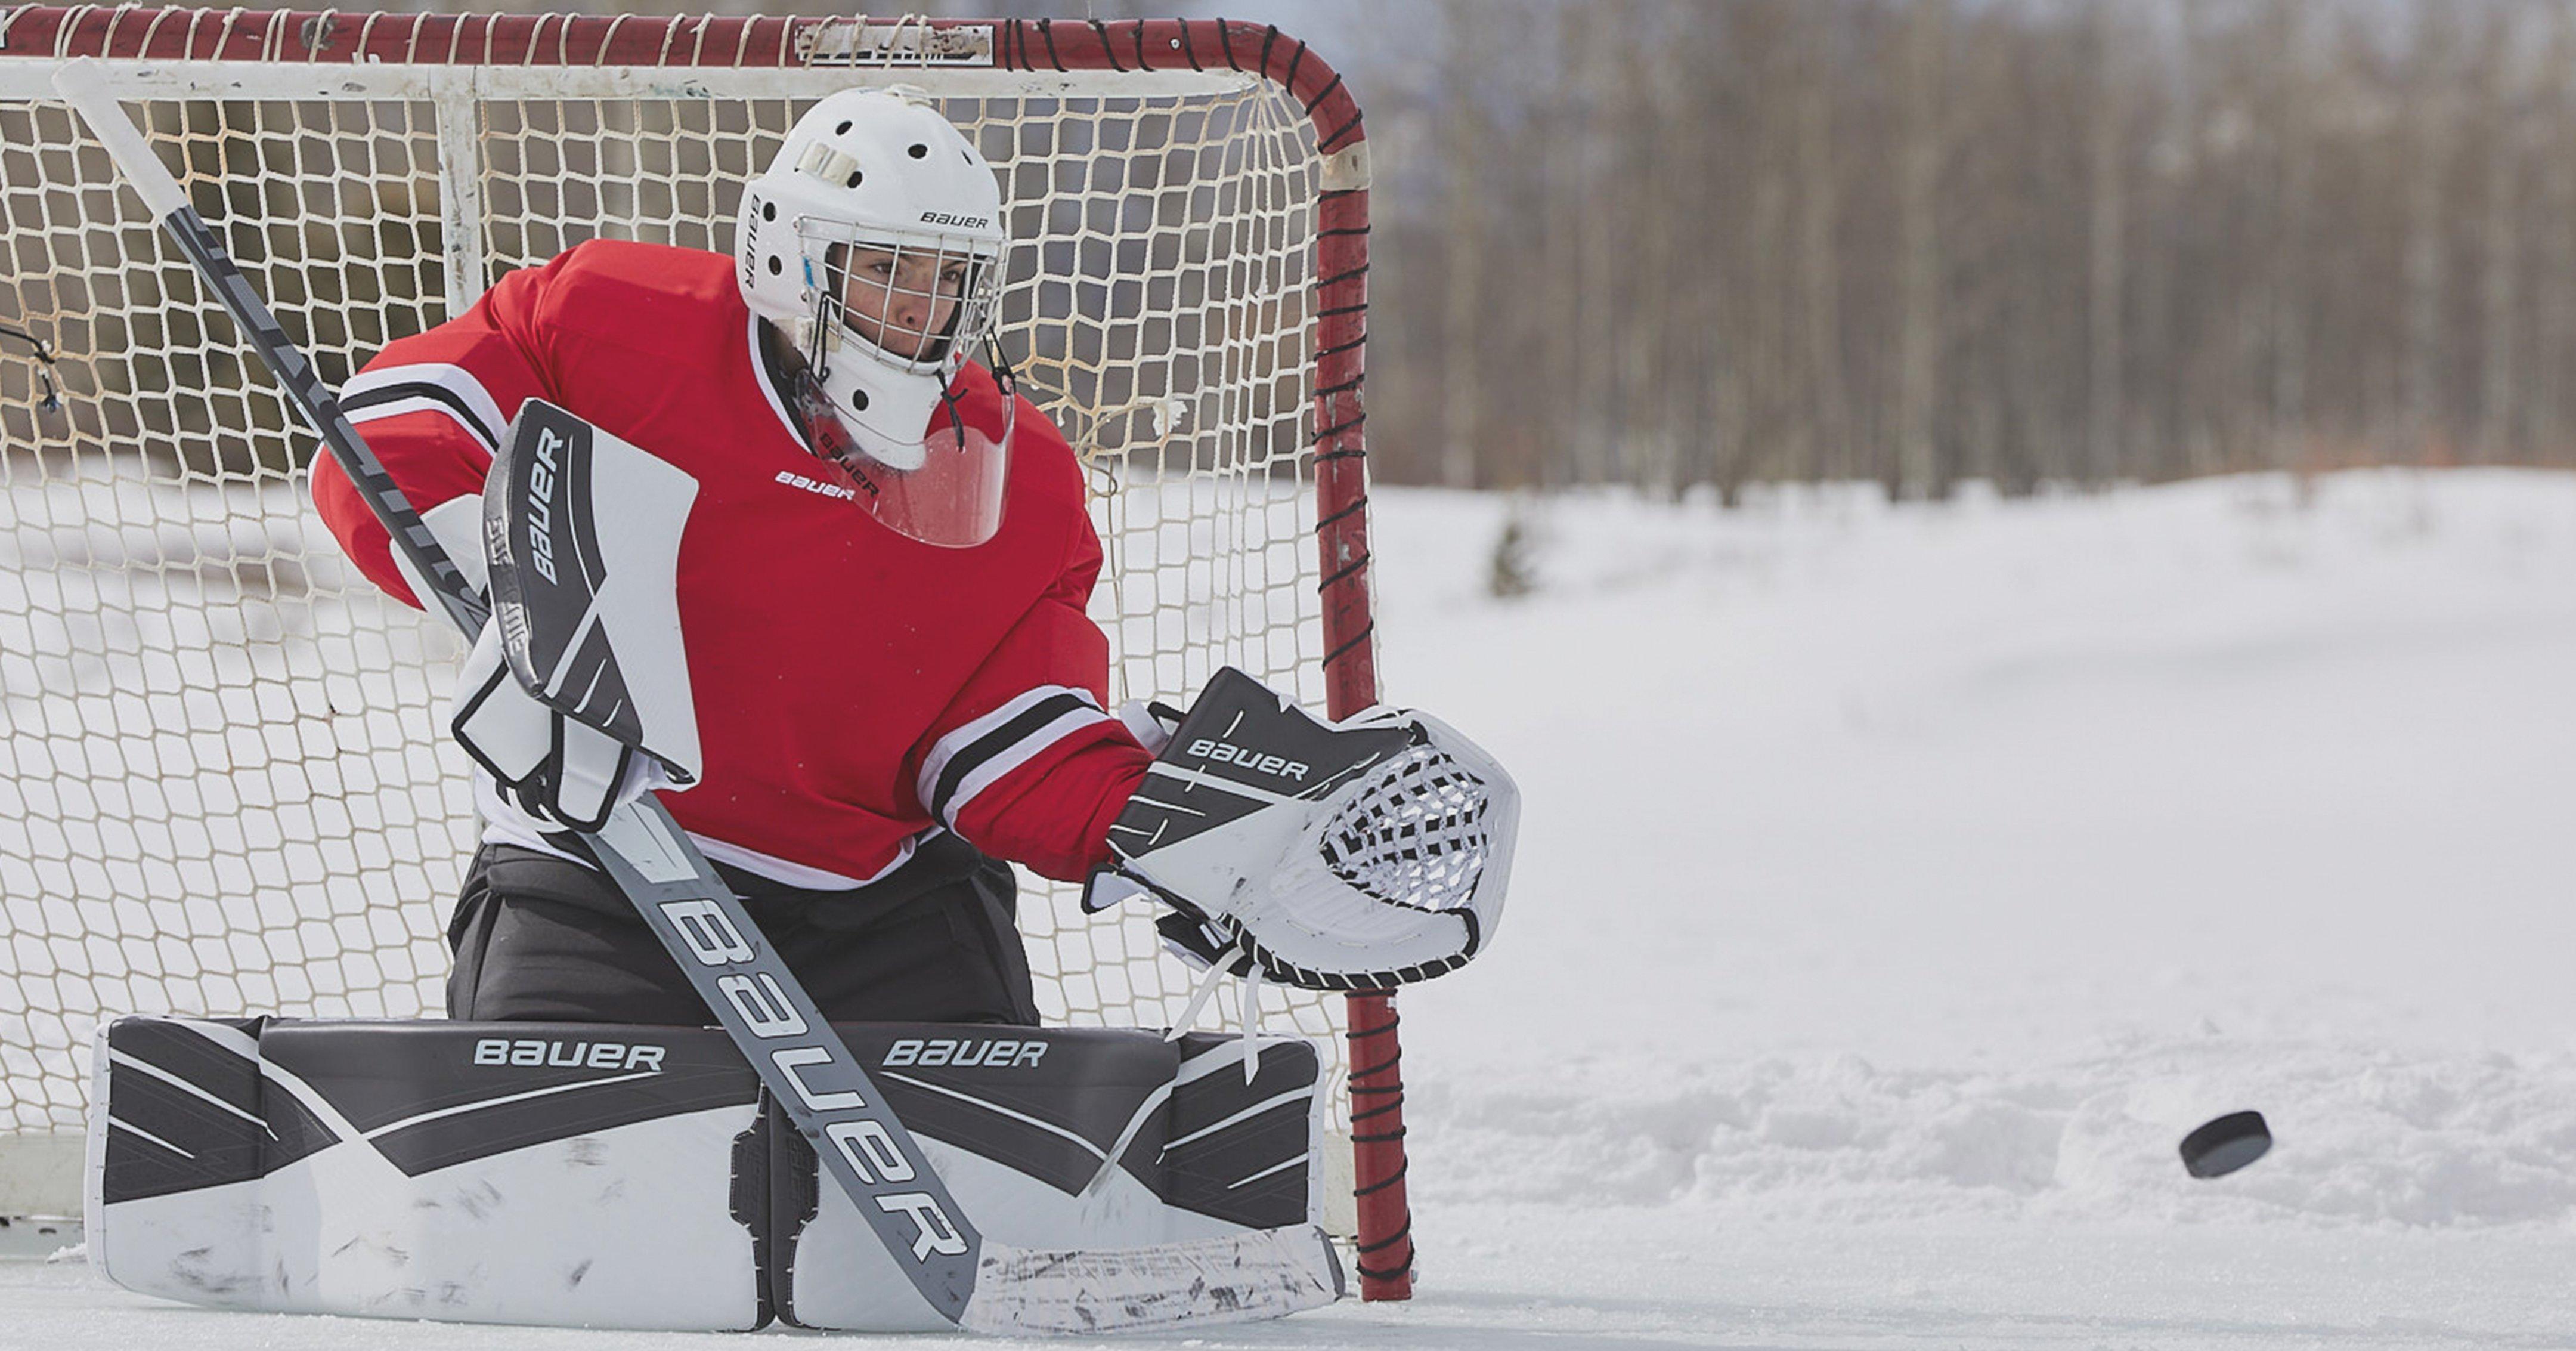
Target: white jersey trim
426, 387
975, 754
797, 874
505, 824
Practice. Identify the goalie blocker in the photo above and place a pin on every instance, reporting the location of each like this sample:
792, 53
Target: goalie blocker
636, 1177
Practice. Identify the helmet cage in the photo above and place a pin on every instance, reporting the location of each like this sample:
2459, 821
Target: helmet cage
896, 269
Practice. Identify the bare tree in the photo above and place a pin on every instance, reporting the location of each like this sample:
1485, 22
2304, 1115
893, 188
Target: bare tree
1819, 247
2105, 406
1715, 242
2501, 104
2292, 98
1926, 146
1466, 156
2427, 162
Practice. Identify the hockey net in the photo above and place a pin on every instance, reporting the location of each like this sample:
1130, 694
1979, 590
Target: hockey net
222, 785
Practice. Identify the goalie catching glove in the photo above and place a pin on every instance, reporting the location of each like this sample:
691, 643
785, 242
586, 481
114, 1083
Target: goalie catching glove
1357, 855
576, 696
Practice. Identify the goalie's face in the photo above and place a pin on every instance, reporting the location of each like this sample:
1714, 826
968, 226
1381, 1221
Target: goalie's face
903, 300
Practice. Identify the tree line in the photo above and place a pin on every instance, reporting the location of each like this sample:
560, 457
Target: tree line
1676, 243
1707, 243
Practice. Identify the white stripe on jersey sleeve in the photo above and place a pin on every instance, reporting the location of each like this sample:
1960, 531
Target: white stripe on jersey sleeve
1020, 753
398, 407
455, 380
971, 748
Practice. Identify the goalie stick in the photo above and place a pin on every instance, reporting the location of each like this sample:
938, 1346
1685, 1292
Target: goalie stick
979, 1284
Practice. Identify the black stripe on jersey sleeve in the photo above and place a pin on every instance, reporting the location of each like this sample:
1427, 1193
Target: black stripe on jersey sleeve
995, 742
424, 390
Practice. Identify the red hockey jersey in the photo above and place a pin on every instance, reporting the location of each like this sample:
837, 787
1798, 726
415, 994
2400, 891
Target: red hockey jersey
856, 689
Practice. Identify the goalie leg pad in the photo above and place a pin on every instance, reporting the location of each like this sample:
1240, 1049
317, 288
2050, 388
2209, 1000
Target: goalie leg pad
495, 1173
623, 1176
1212, 1156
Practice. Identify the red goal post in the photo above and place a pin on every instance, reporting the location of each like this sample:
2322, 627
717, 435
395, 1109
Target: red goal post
1236, 182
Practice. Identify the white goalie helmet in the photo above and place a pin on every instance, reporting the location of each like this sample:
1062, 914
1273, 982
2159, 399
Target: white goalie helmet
874, 241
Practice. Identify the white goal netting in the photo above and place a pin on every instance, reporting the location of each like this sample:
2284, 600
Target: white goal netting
222, 787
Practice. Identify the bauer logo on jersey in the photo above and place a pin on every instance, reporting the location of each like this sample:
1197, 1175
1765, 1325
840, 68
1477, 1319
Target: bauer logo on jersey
796, 480
529, 1052
1226, 753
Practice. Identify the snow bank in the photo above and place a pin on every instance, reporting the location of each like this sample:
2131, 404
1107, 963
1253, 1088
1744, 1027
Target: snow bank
1890, 863
1900, 883
2363, 1135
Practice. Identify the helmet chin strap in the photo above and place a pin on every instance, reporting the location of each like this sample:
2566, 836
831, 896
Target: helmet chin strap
1004, 378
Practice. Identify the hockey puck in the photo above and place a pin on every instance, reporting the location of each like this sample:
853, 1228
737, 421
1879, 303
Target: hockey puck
2222, 1146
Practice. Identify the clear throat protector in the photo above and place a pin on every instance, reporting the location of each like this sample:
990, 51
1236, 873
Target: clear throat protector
944, 484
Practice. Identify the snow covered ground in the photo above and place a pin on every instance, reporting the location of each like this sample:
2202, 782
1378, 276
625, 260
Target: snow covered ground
1900, 883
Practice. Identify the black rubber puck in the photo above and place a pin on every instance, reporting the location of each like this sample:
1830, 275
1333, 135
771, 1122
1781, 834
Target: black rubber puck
2226, 1144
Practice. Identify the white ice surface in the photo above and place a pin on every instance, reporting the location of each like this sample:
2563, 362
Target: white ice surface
1898, 884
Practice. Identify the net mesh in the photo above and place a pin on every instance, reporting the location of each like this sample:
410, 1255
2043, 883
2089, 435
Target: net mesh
222, 788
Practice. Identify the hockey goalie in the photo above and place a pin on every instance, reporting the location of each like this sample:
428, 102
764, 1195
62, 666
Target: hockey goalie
773, 544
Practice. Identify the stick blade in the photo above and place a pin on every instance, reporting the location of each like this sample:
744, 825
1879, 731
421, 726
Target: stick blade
1269, 1273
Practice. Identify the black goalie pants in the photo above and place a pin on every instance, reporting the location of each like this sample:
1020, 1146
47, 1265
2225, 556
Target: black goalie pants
539, 938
